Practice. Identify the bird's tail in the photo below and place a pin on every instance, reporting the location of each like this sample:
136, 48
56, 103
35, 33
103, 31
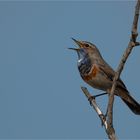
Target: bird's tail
129, 101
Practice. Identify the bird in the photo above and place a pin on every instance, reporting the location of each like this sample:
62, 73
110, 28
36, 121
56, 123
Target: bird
97, 73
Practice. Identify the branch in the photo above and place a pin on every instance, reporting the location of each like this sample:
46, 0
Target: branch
100, 114
95, 106
132, 43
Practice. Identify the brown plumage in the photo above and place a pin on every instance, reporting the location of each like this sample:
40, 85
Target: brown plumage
98, 74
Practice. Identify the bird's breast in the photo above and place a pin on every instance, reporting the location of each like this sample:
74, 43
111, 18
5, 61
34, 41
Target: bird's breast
95, 77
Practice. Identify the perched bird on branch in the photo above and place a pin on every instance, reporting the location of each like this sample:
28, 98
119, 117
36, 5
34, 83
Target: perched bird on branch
98, 74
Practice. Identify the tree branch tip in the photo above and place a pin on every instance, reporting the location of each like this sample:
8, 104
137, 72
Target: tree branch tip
86, 92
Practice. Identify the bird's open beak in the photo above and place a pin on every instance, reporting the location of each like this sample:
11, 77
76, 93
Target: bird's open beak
75, 49
78, 43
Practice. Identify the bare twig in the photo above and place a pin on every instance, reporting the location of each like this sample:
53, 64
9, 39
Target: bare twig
131, 45
95, 106
100, 114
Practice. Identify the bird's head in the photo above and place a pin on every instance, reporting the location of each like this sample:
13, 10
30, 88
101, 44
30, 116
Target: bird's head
86, 49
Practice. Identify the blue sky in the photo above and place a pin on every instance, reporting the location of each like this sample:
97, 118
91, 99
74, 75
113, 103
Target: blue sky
40, 95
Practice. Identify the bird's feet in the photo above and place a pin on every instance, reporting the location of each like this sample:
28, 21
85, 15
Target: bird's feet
90, 99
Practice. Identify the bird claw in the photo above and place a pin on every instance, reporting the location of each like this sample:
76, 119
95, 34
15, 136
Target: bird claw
90, 99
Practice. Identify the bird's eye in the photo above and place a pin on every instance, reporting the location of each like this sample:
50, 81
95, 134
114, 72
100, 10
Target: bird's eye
86, 45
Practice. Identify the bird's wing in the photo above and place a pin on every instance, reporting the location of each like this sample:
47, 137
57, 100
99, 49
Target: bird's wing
109, 72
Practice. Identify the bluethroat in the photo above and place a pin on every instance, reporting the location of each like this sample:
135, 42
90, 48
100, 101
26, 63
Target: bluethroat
98, 74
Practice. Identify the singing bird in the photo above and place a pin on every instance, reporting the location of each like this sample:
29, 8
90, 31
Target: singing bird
98, 74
